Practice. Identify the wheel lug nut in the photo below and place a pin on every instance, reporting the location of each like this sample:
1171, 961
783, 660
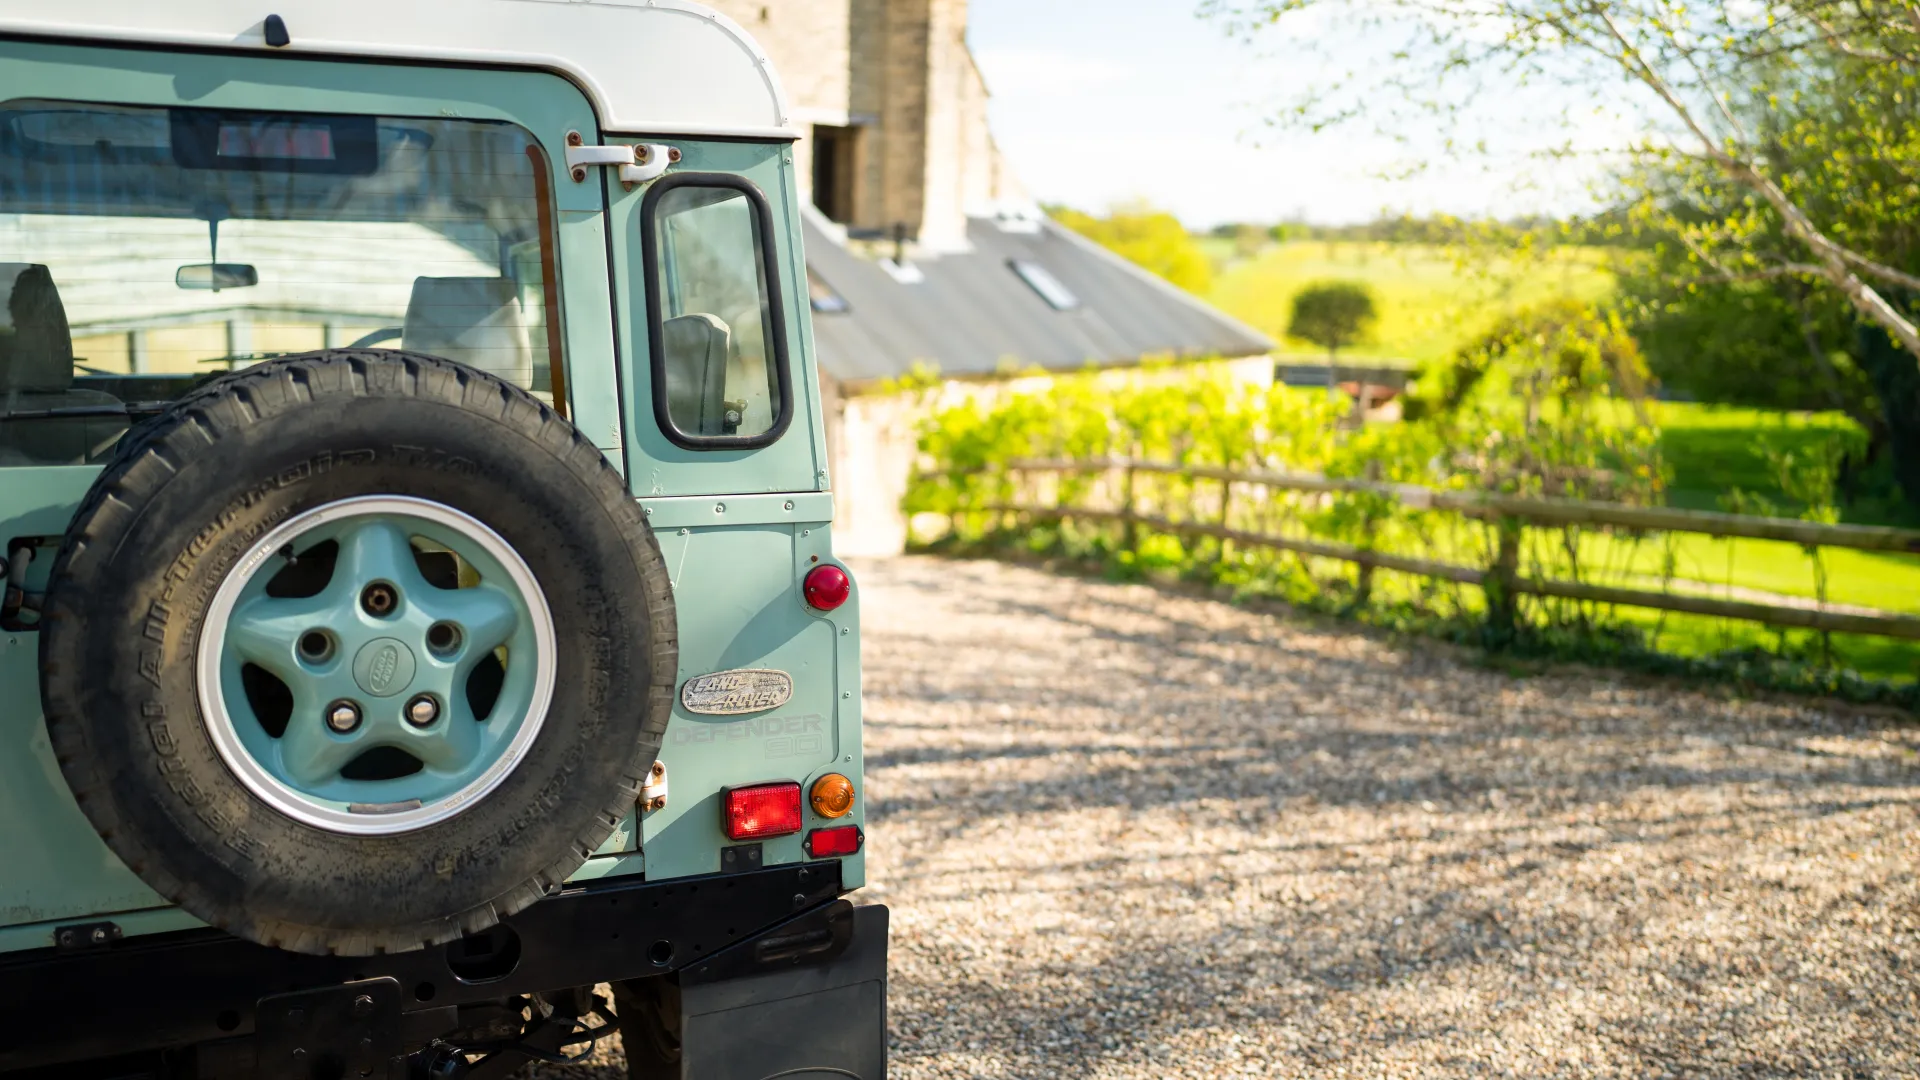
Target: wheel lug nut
315, 646
422, 711
443, 639
343, 716
379, 599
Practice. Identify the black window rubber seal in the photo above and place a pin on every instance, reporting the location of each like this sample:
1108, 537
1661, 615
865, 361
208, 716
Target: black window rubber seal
776, 310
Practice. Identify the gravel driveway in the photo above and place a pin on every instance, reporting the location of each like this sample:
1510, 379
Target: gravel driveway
1129, 832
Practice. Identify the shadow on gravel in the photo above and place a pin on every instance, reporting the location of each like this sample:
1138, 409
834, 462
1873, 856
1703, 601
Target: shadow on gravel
1131, 832
1134, 833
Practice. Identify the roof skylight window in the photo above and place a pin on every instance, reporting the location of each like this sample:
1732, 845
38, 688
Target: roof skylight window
1042, 281
822, 298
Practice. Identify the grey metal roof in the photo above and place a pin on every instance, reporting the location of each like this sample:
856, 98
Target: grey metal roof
974, 315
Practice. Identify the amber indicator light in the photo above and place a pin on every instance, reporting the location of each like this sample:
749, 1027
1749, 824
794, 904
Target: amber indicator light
832, 796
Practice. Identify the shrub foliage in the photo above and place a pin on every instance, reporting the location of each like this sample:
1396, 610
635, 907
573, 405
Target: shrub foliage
1548, 403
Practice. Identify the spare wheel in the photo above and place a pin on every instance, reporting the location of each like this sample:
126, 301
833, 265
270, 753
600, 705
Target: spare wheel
357, 651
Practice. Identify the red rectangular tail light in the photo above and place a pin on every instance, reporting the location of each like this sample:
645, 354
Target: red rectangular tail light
839, 840
763, 810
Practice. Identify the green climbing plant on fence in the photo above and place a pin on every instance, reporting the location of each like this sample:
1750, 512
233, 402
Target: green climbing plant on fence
1265, 492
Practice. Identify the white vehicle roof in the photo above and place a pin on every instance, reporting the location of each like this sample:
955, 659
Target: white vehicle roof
665, 67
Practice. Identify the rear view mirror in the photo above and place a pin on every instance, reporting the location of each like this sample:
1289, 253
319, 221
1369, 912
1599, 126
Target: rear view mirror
216, 276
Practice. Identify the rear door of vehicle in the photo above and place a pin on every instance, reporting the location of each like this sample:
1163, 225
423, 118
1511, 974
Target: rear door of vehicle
57, 870
726, 449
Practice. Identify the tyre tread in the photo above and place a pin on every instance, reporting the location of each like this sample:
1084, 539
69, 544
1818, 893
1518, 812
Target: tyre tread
149, 456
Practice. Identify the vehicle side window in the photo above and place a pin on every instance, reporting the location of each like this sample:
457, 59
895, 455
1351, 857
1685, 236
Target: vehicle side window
720, 374
144, 250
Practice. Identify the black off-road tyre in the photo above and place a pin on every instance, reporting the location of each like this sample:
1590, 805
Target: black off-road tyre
186, 497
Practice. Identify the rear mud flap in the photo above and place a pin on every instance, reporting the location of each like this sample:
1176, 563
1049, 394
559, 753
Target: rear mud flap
806, 1002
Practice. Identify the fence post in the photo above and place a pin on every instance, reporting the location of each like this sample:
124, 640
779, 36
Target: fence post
1363, 572
1012, 498
1131, 536
1226, 508
1503, 603
966, 496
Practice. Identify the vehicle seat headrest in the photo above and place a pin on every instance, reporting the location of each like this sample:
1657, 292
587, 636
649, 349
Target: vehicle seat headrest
36, 347
472, 320
695, 360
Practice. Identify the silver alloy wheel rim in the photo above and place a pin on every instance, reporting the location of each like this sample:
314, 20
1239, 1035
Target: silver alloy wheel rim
293, 804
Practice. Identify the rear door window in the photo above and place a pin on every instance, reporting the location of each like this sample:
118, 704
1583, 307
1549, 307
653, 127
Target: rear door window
151, 248
720, 372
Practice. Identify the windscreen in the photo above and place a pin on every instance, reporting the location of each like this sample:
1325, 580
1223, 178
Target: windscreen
143, 250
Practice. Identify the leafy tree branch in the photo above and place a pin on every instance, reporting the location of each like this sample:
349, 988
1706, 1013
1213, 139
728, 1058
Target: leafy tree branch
1704, 67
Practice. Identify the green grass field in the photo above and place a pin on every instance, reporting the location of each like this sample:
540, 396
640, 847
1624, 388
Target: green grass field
1429, 303
1704, 566
1712, 450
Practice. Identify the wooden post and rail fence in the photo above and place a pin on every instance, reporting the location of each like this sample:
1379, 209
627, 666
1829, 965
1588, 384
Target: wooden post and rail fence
1502, 580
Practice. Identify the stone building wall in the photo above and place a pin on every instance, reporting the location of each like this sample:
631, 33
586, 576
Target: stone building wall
899, 71
899, 154
867, 92
811, 47
942, 222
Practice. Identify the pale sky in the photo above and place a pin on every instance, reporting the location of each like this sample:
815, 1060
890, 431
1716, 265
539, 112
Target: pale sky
1102, 101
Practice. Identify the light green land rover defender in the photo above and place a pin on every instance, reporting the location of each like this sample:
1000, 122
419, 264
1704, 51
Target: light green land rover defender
419, 602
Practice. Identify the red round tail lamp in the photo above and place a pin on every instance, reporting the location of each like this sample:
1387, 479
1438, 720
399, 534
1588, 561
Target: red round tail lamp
827, 587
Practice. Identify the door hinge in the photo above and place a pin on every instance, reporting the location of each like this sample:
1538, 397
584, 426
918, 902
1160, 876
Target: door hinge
637, 164
653, 790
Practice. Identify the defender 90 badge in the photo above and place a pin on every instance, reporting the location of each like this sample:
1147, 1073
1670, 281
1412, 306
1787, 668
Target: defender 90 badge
742, 690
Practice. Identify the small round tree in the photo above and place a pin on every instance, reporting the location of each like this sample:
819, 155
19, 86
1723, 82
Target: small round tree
1332, 315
